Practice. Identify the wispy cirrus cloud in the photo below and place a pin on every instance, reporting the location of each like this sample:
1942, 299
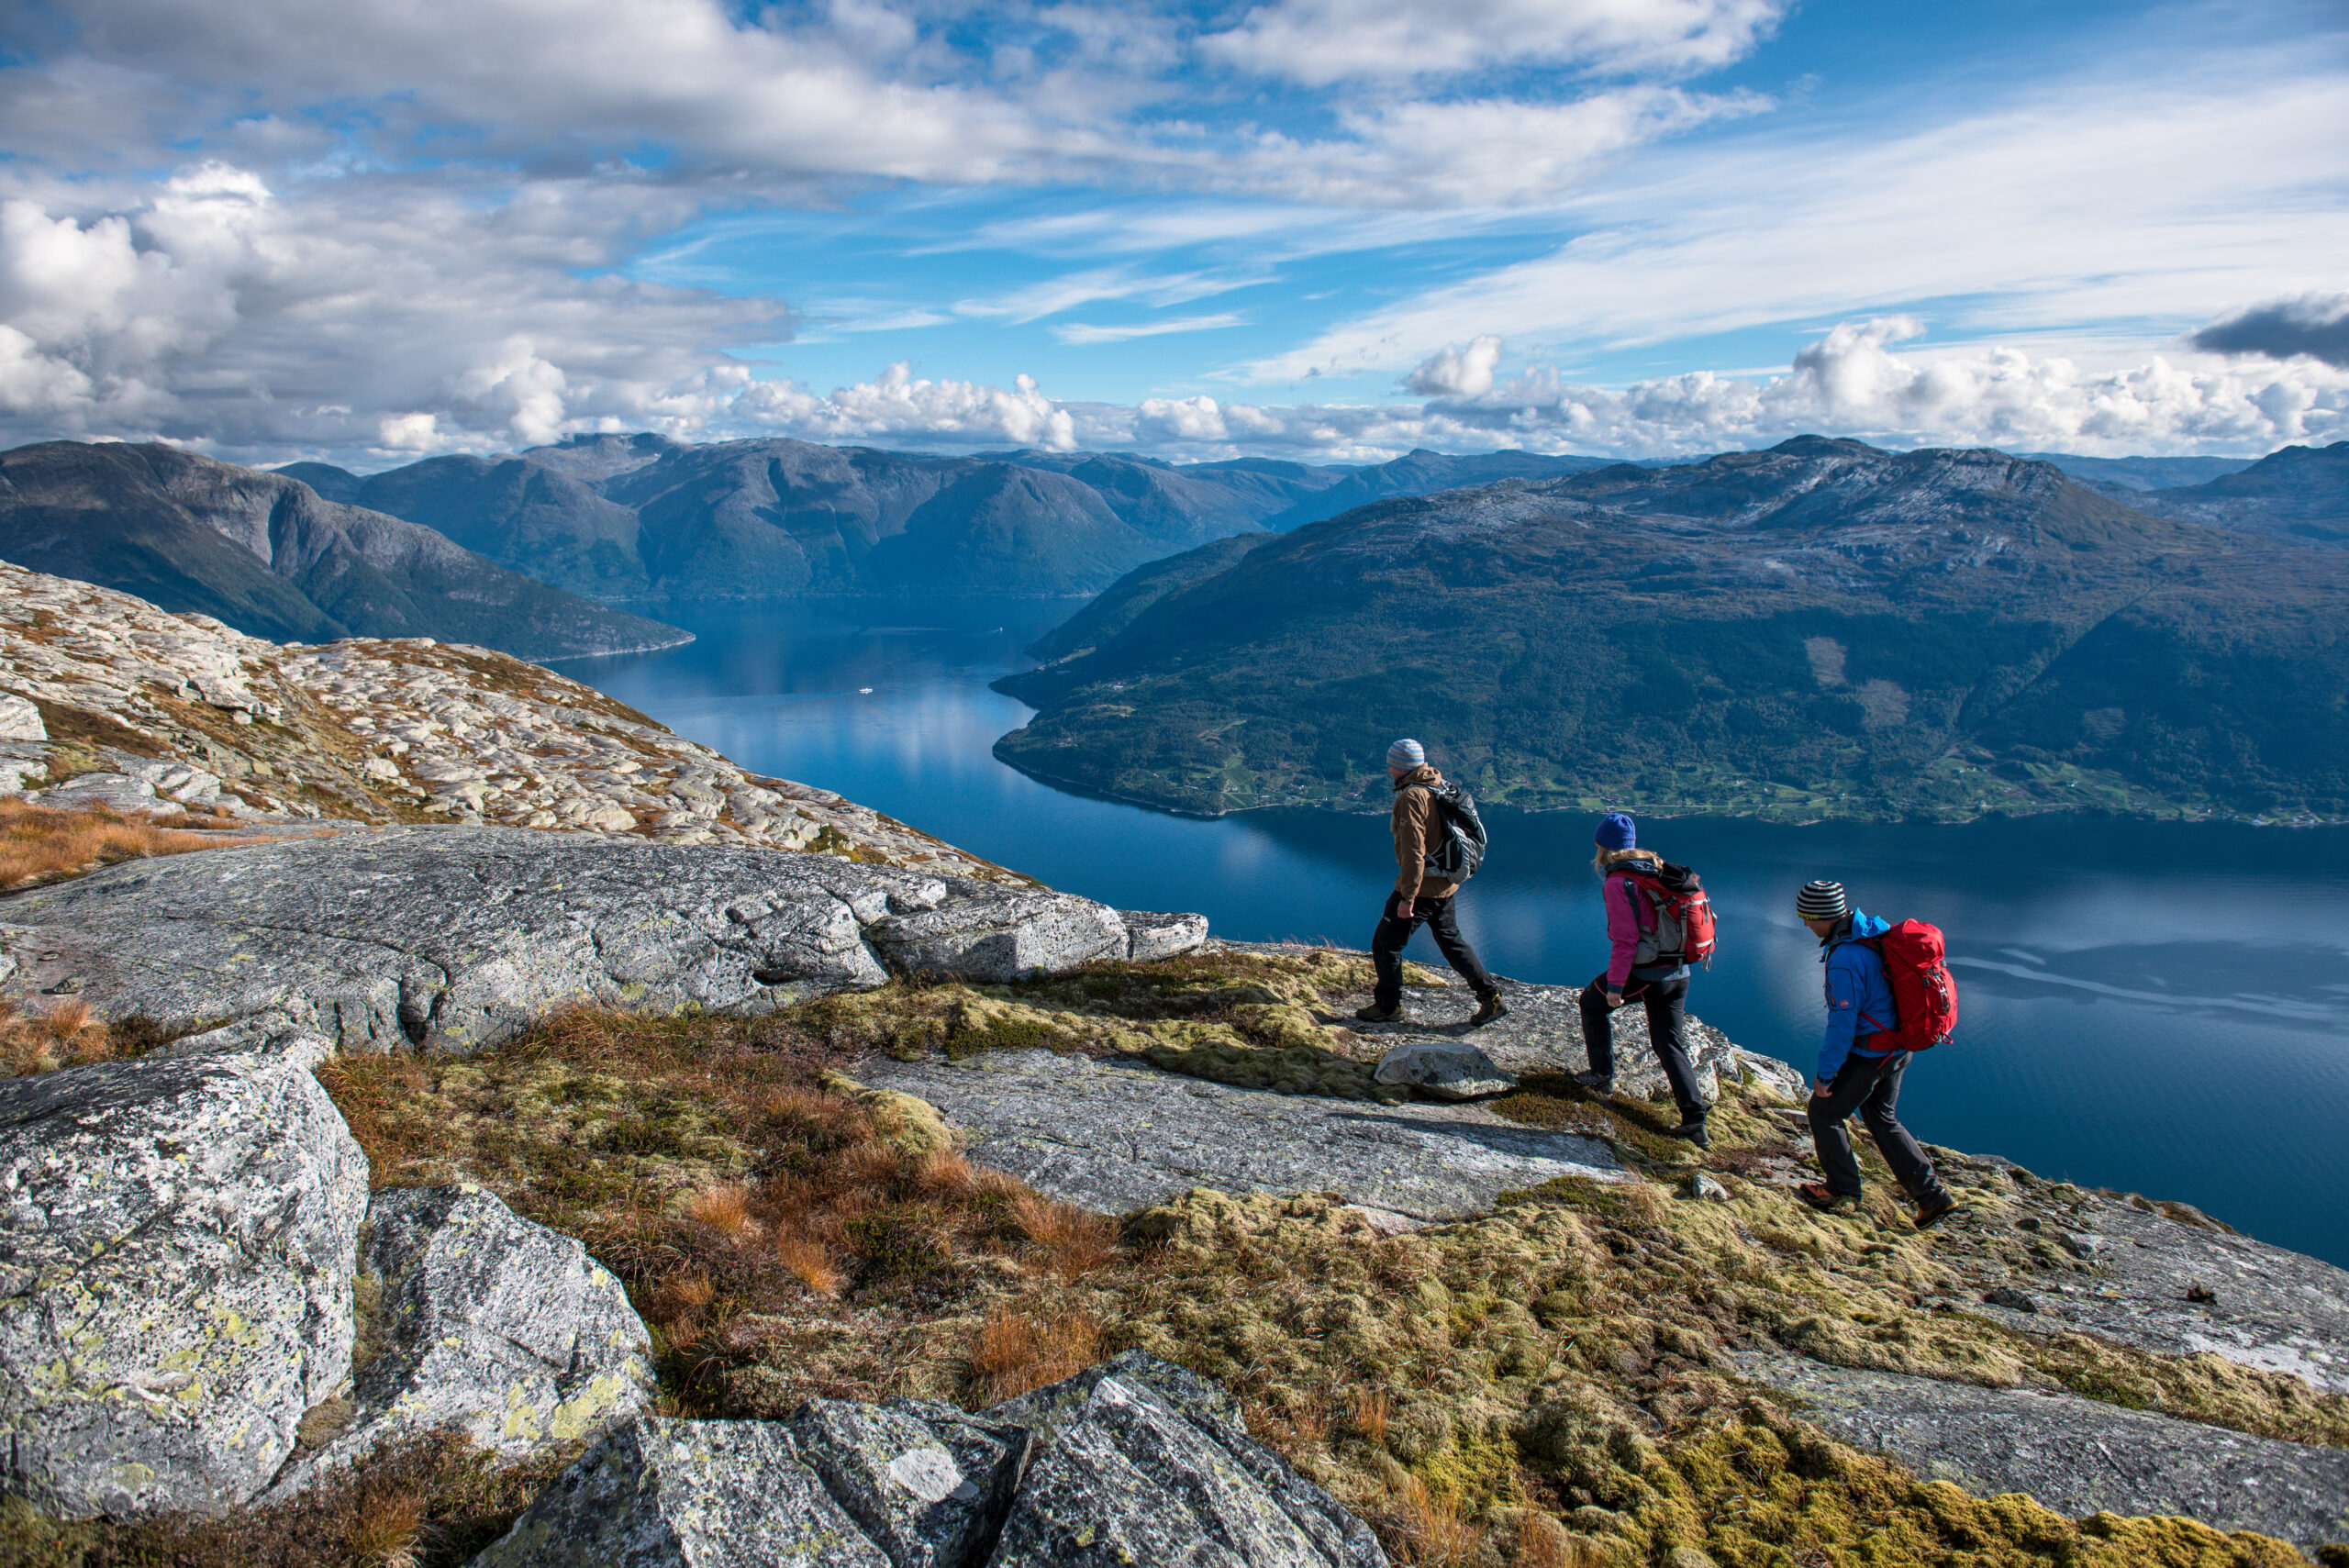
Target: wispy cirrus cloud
1084, 332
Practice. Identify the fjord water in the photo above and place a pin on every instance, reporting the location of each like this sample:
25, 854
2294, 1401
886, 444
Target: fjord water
2150, 1006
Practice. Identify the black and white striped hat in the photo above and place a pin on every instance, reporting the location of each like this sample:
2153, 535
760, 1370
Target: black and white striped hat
1822, 901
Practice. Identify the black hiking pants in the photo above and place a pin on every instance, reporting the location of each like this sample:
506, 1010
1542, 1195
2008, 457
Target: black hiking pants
1394, 934
1668, 1005
1871, 1085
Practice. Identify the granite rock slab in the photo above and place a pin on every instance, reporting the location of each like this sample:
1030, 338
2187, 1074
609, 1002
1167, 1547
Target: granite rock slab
926, 1484
485, 1324
457, 938
660, 1492
175, 1277
1143, 1463
2176, 1288
2075, 1456
1115, 1136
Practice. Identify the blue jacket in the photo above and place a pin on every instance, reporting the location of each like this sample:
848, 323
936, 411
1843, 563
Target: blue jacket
1859, 998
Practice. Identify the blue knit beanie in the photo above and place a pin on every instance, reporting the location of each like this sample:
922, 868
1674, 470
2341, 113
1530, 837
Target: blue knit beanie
1406, 754
1617, 832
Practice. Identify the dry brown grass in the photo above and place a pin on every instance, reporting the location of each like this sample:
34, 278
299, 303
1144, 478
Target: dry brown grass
42, 843
811, 1263
1018, 1351
1432, 1528
1367, 1412
1074, 1241
724, 1206
385, 1528
42, 1037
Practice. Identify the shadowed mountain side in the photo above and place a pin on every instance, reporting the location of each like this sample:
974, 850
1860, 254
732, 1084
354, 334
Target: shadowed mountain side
1823, 629
1138, 590
2299, 495
268, 555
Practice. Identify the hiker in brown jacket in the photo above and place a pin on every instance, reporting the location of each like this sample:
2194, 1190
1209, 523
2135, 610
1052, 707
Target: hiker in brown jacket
1421, 895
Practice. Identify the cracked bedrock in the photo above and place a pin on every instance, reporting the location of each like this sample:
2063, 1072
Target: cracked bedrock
457, 938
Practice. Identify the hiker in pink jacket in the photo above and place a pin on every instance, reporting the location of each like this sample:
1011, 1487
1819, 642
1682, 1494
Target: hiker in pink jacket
1638, 970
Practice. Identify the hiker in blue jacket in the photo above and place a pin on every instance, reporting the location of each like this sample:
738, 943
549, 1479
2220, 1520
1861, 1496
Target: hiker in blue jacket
1853, 1073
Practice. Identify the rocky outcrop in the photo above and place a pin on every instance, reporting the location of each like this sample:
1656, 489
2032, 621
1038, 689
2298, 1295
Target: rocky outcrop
926, 1484
473, 1319
152, 710
658, 1493
2076, 1456
1117, 1136
1134, 1462
457, 938
1139, 1462
1443, 1072
175, 1277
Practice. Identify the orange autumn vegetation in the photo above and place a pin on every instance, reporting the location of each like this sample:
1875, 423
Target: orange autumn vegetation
44, 843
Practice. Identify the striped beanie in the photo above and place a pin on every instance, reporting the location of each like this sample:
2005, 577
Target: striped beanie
1822, 901
1406, 754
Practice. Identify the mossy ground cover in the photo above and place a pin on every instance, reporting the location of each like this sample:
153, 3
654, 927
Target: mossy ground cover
1254, 1020
1549, 1383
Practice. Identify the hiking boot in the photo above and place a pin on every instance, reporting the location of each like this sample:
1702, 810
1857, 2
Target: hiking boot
1488, 1009
1935, 1209
1598, 1084
1693, 1131
1821, 1198
1374, 1013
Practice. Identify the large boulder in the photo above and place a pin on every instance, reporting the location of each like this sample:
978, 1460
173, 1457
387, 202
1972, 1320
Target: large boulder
657, 1493
1139, 1462
175, 1277
479, 1322
456, 938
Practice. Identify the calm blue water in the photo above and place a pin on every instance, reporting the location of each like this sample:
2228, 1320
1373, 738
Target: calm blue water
2154, 1007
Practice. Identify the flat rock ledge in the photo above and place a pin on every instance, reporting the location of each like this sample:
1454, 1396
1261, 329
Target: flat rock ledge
1117, 1136
2075, 1456
1131, 1463
456, 938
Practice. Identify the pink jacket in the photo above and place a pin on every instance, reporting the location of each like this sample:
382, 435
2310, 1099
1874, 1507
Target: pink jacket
1630, 917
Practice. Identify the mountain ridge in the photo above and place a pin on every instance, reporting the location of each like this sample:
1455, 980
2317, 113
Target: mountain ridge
1821, 629
266, 553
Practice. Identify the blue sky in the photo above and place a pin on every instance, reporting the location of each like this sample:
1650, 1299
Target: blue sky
1330, 229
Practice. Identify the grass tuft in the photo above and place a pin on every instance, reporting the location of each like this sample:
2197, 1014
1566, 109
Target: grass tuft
1017, 1352
44, 843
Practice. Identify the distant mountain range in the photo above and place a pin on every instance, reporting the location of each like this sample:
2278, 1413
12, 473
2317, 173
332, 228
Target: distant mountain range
2299, 495
1823, 629
273, 558
638, 519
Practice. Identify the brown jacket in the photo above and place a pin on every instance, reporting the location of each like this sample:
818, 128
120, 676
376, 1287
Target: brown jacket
1419, 823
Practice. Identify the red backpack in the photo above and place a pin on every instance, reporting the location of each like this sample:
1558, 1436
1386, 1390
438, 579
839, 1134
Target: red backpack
1681, 907
1917, 968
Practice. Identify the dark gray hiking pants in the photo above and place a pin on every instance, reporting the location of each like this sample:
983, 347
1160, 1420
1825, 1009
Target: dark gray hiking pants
1870, 1085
